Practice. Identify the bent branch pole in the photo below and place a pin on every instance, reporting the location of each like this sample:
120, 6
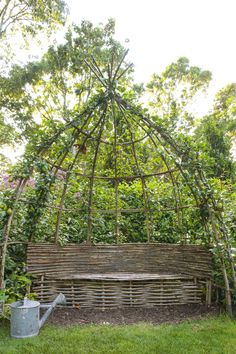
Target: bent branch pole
7, 229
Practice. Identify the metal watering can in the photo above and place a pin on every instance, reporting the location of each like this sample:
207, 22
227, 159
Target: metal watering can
25, 320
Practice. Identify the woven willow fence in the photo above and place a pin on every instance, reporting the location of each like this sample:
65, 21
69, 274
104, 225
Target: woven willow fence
108, 276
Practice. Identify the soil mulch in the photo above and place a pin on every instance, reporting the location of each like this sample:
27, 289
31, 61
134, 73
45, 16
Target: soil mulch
156, 315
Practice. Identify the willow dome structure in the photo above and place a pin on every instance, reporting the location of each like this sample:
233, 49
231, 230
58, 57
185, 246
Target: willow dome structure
109, 173
108, 166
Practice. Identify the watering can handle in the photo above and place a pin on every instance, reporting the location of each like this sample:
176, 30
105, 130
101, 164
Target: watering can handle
60, 299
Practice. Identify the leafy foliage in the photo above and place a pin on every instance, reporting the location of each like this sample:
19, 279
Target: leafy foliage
30, 16
173, 92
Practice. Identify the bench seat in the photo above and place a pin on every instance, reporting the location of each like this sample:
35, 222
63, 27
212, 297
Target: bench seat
113, 276
119, 276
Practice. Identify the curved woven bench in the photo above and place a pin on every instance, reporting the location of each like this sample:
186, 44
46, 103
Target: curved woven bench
108, 276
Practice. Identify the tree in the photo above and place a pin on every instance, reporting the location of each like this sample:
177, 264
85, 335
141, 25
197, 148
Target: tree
49, 90
30, 16
172, 93
216, 133
15, 106
21, 18
225, 107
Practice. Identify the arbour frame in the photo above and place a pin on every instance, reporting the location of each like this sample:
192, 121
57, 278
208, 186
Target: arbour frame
109, 105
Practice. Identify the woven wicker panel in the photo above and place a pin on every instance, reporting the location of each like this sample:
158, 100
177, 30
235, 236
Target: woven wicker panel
115, 294
132, 258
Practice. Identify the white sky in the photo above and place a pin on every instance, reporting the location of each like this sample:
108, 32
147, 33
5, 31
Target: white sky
160, 31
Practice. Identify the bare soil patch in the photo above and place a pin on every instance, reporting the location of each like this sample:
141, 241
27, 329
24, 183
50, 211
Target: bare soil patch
157, 315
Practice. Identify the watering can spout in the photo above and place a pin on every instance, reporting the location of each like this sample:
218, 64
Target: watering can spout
60, 299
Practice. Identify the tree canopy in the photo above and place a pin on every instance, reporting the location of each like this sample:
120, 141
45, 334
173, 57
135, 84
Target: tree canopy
30, 16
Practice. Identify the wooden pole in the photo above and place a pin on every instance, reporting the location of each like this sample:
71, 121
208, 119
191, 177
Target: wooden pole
102, 121
7, 229
149, 222
223, 266
117, 222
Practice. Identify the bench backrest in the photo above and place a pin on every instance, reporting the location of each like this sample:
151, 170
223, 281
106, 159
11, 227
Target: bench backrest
51, 259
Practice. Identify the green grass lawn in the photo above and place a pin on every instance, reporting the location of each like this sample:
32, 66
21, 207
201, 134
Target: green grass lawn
215, 335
